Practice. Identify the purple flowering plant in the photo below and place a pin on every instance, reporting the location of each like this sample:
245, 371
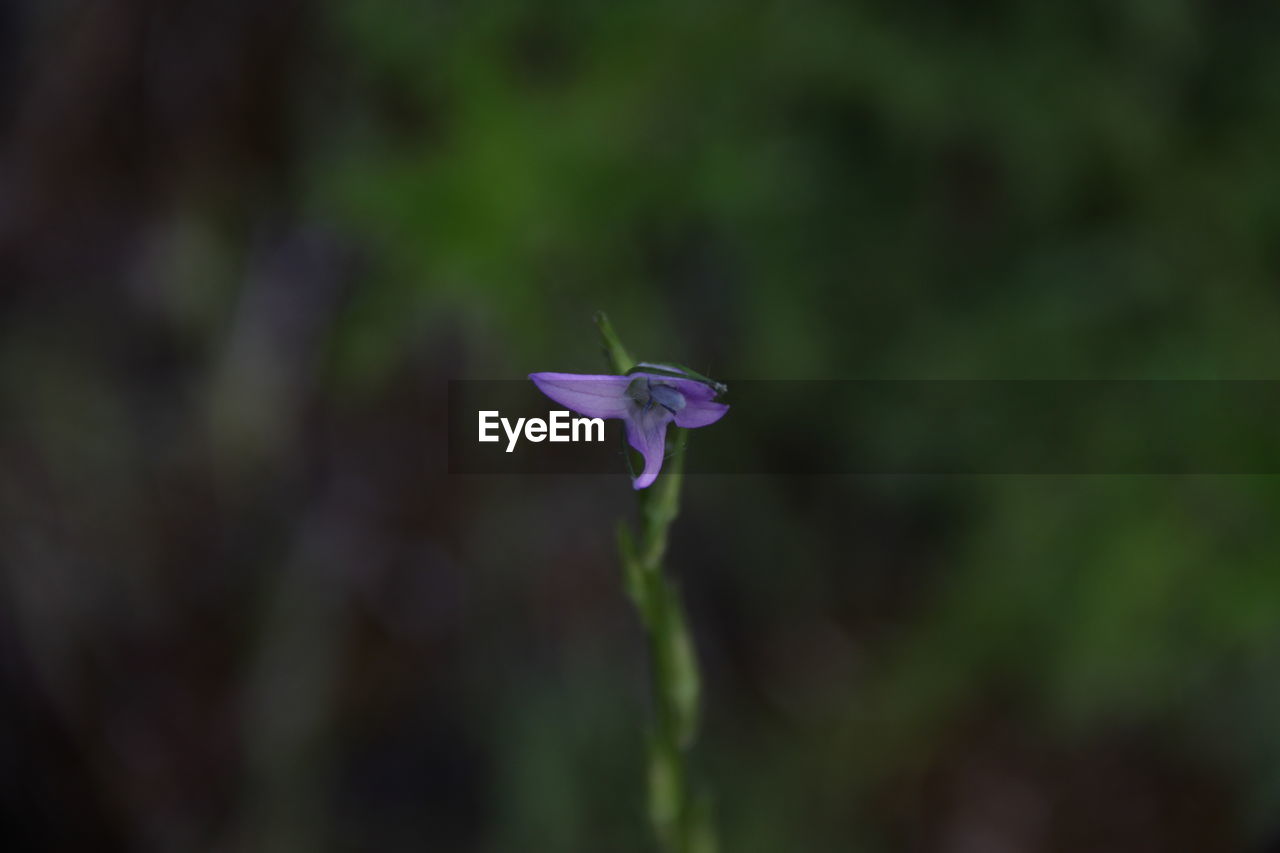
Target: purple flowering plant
652, 399
647, 398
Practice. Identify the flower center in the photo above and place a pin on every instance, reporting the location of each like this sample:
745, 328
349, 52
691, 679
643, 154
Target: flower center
646, 393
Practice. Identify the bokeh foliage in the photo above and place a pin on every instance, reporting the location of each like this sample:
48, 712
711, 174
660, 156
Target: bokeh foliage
244, 602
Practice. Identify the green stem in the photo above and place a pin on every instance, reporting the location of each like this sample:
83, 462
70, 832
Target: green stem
681, 819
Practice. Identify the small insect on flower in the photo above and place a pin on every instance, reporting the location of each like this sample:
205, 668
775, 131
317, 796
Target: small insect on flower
647, 399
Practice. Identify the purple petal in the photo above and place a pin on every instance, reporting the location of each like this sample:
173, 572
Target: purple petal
648, 434
700, 413
700, 407
587, 394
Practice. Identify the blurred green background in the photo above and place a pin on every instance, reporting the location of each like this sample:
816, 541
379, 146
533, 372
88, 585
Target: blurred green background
244, 245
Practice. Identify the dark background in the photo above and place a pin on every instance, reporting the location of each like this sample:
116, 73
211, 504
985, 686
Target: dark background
244, 245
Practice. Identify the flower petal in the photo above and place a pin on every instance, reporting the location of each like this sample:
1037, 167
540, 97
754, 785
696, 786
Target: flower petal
700, 413
647, 433
591, 395
700, 408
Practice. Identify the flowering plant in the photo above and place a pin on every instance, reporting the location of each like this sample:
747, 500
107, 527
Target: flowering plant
649, 398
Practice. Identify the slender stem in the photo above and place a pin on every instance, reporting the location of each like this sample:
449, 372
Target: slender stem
619, 359
680, 817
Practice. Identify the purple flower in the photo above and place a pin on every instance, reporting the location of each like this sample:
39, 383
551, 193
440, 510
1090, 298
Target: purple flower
647, 402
